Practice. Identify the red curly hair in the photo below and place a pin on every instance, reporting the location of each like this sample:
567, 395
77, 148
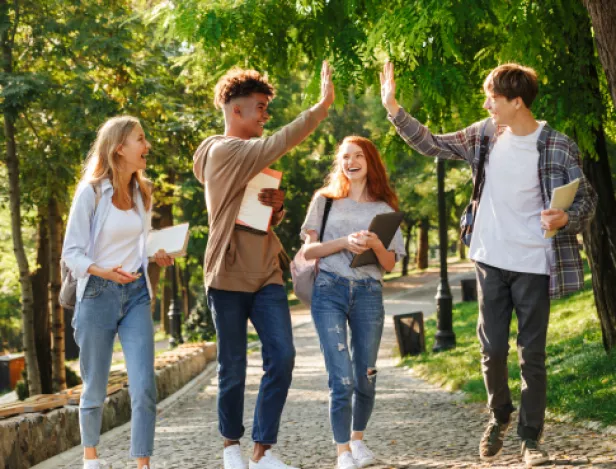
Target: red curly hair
337, 184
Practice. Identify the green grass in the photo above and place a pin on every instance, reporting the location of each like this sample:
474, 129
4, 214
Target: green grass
581, 375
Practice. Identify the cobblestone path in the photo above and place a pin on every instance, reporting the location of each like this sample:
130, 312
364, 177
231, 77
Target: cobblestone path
414, 424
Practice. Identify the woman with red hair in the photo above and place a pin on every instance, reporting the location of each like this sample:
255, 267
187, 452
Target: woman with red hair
344, 297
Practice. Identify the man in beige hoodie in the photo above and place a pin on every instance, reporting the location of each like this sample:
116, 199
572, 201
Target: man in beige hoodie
242, 275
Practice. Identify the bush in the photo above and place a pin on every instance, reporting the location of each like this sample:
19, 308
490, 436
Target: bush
72, 378
199, 323
23, 393
21, 388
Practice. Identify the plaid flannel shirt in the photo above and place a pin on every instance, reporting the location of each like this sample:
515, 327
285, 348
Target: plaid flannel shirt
558, 165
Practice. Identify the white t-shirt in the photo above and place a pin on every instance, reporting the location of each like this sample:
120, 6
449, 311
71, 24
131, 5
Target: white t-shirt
119, 242
507, 233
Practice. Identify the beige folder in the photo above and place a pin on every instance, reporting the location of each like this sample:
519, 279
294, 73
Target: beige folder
562, 198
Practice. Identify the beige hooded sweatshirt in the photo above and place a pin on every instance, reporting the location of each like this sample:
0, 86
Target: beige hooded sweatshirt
236, 259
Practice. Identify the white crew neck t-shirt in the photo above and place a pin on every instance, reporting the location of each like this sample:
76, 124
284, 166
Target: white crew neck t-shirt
119, 242
507, 233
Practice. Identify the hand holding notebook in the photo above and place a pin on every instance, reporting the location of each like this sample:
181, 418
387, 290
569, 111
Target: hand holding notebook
562, 198
173, 239
384, 225
253, 214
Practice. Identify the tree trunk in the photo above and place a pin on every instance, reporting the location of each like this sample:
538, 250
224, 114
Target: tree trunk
461, 250
603, 17
162, 217
184, 275
165, 302
600, 241
12, 164
40, 283
57, 314
422, 246
407, 248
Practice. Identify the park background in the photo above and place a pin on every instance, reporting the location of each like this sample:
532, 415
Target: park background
67, 66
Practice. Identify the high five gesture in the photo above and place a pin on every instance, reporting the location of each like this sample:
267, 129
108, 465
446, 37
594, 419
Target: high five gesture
388, 89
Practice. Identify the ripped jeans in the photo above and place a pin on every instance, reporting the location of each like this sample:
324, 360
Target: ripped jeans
336, 302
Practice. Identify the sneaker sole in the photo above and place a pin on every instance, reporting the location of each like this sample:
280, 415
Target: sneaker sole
538, 462
491, 458
370, 462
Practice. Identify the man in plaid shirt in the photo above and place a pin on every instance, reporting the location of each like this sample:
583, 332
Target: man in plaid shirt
516, 267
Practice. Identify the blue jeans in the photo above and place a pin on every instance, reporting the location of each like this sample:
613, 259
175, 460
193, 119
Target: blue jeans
336, 302
268, 310
108, 308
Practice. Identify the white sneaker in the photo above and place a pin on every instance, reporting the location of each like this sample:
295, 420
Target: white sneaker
346, 461
95, 464
232, 456
269, 461
362, 455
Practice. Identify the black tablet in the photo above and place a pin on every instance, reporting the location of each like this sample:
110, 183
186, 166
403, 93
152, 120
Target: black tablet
384, 225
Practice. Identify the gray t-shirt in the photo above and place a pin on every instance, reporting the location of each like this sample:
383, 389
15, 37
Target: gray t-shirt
345, 217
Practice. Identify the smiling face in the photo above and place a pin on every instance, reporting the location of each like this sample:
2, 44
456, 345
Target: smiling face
502, 110
250, 114
353, 162
134, 150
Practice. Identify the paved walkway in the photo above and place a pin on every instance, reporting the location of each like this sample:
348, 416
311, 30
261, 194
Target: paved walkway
415, 425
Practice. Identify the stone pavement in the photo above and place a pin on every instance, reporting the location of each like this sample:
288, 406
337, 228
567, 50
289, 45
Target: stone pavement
414, 425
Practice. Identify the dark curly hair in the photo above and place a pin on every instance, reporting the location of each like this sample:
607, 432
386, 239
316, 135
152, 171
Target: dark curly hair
237, 83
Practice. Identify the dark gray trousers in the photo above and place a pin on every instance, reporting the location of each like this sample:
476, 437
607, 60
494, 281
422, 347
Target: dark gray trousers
499, 292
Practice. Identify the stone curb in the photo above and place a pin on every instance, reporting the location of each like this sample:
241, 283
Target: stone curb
28, 439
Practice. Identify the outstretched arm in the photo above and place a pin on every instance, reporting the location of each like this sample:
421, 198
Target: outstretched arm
456, 145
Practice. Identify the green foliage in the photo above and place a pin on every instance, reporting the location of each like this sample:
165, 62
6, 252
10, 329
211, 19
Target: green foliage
199, 325
72, 378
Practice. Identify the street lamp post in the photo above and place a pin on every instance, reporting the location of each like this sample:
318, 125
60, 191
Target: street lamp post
445, 338
175, 317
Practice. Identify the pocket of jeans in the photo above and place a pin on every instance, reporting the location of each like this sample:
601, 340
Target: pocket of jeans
324, 281
94, 288
375, 287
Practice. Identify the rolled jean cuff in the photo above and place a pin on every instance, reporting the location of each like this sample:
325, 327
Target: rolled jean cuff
269, 443
146, 454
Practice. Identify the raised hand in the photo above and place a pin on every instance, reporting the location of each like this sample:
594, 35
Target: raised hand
327, 86
388, 89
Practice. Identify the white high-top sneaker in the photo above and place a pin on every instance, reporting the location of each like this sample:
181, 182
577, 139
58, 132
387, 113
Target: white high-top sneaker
95, 464
232, 456
346, 461
362, 455
269, 461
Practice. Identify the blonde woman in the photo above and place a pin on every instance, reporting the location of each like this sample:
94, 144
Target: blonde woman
104, 247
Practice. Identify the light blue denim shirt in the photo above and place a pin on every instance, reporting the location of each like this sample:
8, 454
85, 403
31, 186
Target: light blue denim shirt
84, 227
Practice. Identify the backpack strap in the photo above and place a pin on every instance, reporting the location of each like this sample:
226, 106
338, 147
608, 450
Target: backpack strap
328, 206
487, 131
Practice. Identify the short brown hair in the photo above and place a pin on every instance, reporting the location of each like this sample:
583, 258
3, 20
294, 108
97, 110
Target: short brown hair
512, 81
237, 83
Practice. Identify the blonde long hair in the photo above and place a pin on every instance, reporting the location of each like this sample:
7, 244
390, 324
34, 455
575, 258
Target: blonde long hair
103, 160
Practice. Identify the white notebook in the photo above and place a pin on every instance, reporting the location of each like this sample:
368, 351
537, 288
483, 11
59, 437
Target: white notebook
562, 198
252, 212
173, 239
